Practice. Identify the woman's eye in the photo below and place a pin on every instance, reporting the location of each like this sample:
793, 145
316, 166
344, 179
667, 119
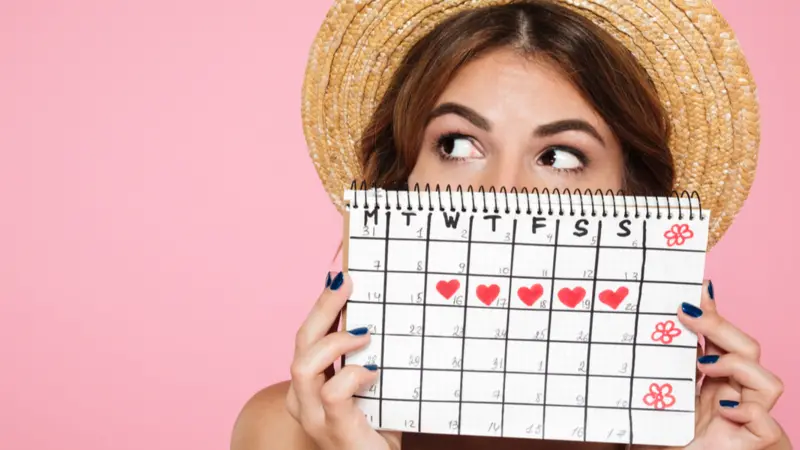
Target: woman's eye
561, 159
457, 147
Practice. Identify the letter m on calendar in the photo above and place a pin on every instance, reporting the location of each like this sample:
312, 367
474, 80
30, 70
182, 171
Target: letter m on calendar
526, 315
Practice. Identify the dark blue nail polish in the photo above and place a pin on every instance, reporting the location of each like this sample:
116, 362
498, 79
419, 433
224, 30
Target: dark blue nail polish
691, 310
728, 403
337, 282
371, 367
710, 290
328, 280
359, 331
708, 359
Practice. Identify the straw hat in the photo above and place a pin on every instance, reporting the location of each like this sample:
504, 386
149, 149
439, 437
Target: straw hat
685, 45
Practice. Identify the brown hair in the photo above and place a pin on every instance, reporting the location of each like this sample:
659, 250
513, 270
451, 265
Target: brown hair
600, 68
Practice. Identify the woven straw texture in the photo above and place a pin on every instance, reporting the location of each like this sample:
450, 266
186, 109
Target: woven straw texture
686, 46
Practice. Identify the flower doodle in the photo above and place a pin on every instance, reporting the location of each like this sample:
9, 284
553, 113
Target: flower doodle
659, 397
665, 332
678, 234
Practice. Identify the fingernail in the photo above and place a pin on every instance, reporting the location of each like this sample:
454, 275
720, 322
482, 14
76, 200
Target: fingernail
371, 367
691, 310
728, 403
708, 359
337, 281
710, 290
359, 331
328, 280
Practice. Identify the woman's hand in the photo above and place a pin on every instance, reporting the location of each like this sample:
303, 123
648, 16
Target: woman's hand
325, 408
737, 394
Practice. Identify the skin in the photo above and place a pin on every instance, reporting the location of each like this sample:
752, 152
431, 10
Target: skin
504, 108
522, 103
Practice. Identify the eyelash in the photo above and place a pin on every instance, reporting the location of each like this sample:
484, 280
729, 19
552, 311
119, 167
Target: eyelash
572, 151
438, 142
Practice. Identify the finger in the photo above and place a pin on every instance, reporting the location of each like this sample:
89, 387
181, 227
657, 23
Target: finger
307, 370
764, 387
337, 394
719, 389
756, 420
330, 371
707, 303
331, 347
324, 312
719, 331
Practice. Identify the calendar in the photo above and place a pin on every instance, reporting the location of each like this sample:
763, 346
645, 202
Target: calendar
540, 315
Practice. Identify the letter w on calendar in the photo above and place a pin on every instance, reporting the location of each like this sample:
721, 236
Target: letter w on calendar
525, 316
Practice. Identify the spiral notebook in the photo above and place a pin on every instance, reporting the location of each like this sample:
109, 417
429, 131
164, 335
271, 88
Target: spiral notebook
541, 315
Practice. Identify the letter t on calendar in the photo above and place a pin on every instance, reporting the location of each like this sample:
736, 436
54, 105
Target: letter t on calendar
526, 315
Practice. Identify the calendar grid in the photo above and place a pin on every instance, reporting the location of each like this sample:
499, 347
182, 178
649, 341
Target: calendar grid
383, 314
565, 405
424, 308
510, 372
554, 341
636, 332
533, 277
569, 326
591, 321
464, 326
530, 244
644, 313
508, 324
549, 327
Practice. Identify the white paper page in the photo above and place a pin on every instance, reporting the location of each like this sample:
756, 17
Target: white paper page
527, 324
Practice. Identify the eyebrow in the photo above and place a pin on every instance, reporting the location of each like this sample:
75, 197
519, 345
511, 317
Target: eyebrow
463, 111
546, 130
560, 126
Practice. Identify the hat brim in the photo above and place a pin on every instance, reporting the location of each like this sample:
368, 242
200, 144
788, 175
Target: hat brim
688, 49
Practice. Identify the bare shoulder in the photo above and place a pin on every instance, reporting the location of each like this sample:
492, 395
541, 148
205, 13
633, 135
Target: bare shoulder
265, 424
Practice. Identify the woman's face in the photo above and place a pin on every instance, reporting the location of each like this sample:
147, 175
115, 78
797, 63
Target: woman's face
506, 121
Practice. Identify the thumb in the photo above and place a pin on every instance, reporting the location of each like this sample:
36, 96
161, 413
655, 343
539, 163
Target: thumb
758, 425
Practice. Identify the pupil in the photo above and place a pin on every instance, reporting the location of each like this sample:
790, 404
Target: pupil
549, 158
448, 144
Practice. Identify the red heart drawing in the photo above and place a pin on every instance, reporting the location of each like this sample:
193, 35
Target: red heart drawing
487, 294
529, 295
571, 297
613, 299
447, 288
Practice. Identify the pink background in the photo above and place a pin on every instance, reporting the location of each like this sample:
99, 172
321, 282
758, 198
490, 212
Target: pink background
150, 281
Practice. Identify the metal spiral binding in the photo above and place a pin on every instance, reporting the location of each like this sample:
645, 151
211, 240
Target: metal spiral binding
492, 200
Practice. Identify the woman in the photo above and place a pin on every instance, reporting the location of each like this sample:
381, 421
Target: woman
536, 95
